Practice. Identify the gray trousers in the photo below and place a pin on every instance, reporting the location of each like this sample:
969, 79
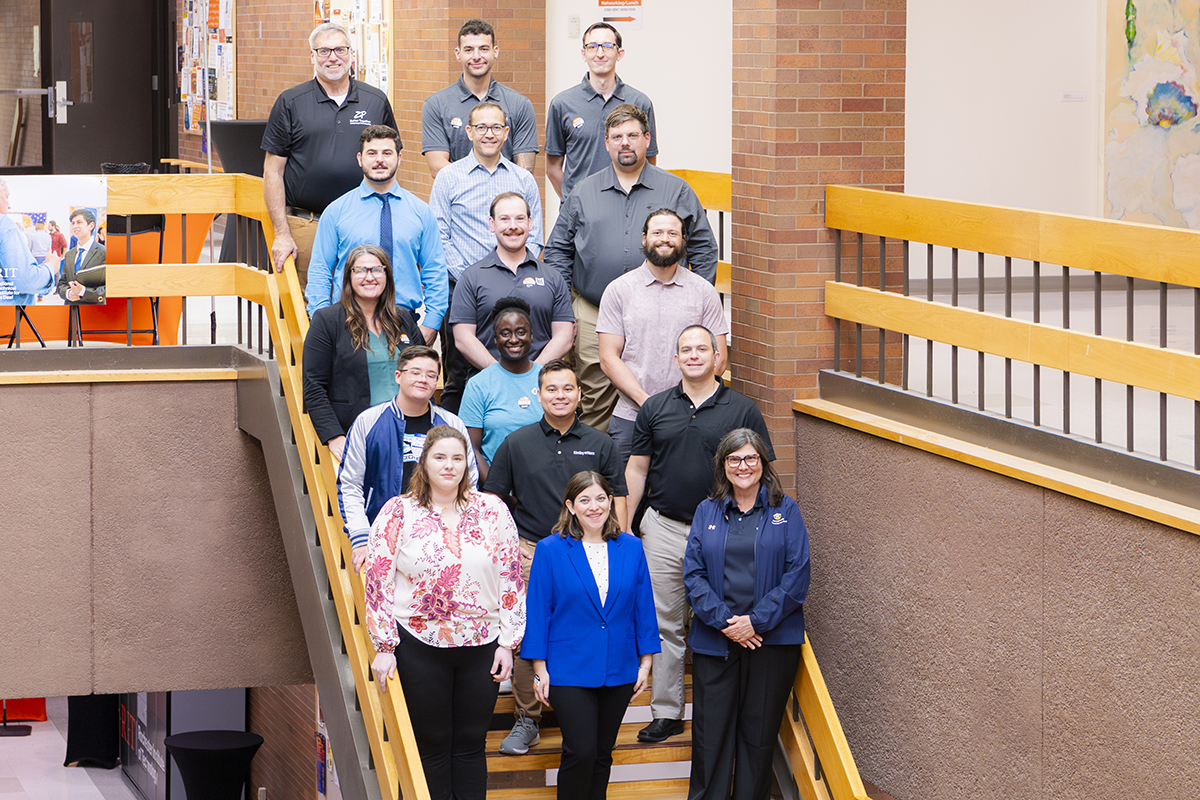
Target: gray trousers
664, 541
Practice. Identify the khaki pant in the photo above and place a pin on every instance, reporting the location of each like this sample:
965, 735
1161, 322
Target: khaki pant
599, 396
665, 540
522, 677
304, 231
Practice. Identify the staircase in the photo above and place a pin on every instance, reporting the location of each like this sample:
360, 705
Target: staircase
371, 733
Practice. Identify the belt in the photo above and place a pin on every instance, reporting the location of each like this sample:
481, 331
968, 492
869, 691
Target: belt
303, 213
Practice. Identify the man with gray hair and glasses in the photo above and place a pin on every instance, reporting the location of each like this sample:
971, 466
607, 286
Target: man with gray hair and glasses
311, 144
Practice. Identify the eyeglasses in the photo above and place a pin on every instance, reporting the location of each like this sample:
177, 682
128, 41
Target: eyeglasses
734, 462
496, 129
340, 52
420, 373
361, 271
594, 47
622, 138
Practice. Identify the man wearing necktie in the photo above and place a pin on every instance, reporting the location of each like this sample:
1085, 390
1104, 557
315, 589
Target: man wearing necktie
379, 211
82, 278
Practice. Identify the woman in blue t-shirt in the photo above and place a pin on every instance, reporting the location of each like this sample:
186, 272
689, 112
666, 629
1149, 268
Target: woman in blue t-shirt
504, 396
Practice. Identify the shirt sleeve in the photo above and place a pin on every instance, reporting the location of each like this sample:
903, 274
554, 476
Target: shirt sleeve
563, 311
713, 313
20, 267
701, 244
524, 127
643, 436
499, 479
560, 245
789, 595
322, 262
462, 308
556, 142
611, 317
433, 133
652, 150
319, 348
472, 410
539, 603
381, 576
277, 138
352, 473
612, 469
434, 278
512, 584
706, 605
440, 203
537, 241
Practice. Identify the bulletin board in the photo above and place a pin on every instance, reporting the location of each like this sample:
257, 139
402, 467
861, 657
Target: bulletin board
370, 25
207, 63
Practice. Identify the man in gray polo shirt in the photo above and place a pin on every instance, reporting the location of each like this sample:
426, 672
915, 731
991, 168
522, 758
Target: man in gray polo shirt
598, 238
643, 312
575, 118
444, 115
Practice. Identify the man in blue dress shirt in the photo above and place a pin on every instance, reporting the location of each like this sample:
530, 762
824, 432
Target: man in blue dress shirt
408, 232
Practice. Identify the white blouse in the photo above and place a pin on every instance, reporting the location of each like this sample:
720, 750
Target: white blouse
597, 556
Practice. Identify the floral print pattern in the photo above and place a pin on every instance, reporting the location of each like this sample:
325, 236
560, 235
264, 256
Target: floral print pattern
448, 588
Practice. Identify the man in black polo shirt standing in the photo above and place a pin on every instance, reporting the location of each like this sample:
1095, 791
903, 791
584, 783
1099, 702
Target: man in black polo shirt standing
311, 144
674, 441
533, 466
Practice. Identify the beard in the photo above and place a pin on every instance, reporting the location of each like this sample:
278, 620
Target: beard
664, 258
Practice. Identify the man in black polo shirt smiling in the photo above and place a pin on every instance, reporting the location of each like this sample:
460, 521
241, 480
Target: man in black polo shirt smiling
533, 466
674, 441
311, 144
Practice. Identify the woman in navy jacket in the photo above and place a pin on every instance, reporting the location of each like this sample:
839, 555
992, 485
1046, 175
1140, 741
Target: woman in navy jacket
746, 571
351, 344
590, 631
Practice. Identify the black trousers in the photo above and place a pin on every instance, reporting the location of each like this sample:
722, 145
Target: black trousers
737, 707
590, 719
456, 370
451, 696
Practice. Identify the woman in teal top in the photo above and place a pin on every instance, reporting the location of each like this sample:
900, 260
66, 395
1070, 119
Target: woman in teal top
351, 348
504, 396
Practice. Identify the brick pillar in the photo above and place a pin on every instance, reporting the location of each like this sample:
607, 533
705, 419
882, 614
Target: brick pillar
426, 31
818, 98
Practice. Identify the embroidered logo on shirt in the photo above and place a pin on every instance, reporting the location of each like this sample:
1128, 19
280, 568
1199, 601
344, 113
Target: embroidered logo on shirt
583, 453
577, 123
778, 519
456, 122
360, 118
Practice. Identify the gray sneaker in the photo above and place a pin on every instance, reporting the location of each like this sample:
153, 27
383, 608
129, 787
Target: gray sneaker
523, 736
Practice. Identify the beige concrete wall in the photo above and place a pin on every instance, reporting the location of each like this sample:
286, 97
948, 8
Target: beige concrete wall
985, 638
141, 550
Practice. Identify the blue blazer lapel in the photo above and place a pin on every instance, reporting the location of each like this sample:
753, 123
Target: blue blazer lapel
584, 570
616, 573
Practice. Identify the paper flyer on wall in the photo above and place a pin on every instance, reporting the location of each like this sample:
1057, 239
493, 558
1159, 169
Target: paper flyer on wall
52, 239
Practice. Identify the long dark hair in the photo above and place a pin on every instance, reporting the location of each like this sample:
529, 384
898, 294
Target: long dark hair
385, 308
733, 441
418, 486
568, 524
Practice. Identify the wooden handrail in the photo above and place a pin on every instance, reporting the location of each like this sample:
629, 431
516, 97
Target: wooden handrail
397, 761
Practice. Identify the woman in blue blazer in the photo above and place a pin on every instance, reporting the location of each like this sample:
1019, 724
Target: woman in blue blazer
351, 347
590, 631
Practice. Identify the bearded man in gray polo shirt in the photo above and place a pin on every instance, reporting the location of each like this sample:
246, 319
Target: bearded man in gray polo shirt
445, 115
598, 238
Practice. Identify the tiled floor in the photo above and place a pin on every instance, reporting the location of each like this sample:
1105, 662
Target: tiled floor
31, 767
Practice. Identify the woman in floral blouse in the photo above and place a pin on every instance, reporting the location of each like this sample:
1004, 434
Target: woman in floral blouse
445, 608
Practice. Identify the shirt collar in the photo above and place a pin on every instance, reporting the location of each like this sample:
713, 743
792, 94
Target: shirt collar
351, 93
590, 91
365, 190
648, 179
550, 430
492, 259
649, 277
464, 92
760, 503
721, 396
471, 162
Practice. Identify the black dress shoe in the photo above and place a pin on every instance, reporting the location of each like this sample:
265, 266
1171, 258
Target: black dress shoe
660, 729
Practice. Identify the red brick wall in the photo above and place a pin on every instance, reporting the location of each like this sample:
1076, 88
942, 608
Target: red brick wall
285, 716
818, 98
17, 18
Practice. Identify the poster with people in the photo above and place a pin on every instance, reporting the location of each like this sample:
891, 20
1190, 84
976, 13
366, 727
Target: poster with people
52, 239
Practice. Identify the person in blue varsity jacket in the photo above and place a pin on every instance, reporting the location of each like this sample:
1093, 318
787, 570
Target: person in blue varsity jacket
385, 443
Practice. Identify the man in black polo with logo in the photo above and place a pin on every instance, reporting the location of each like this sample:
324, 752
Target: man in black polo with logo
311, 144
533, 466
675, 439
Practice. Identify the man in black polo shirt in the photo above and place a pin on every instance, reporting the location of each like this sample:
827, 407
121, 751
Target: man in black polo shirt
311, 144
533, 466
674, 441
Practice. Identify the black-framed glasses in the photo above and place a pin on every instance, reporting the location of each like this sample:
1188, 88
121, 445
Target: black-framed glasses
733, 462
482, 129
593, 47
323, 52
